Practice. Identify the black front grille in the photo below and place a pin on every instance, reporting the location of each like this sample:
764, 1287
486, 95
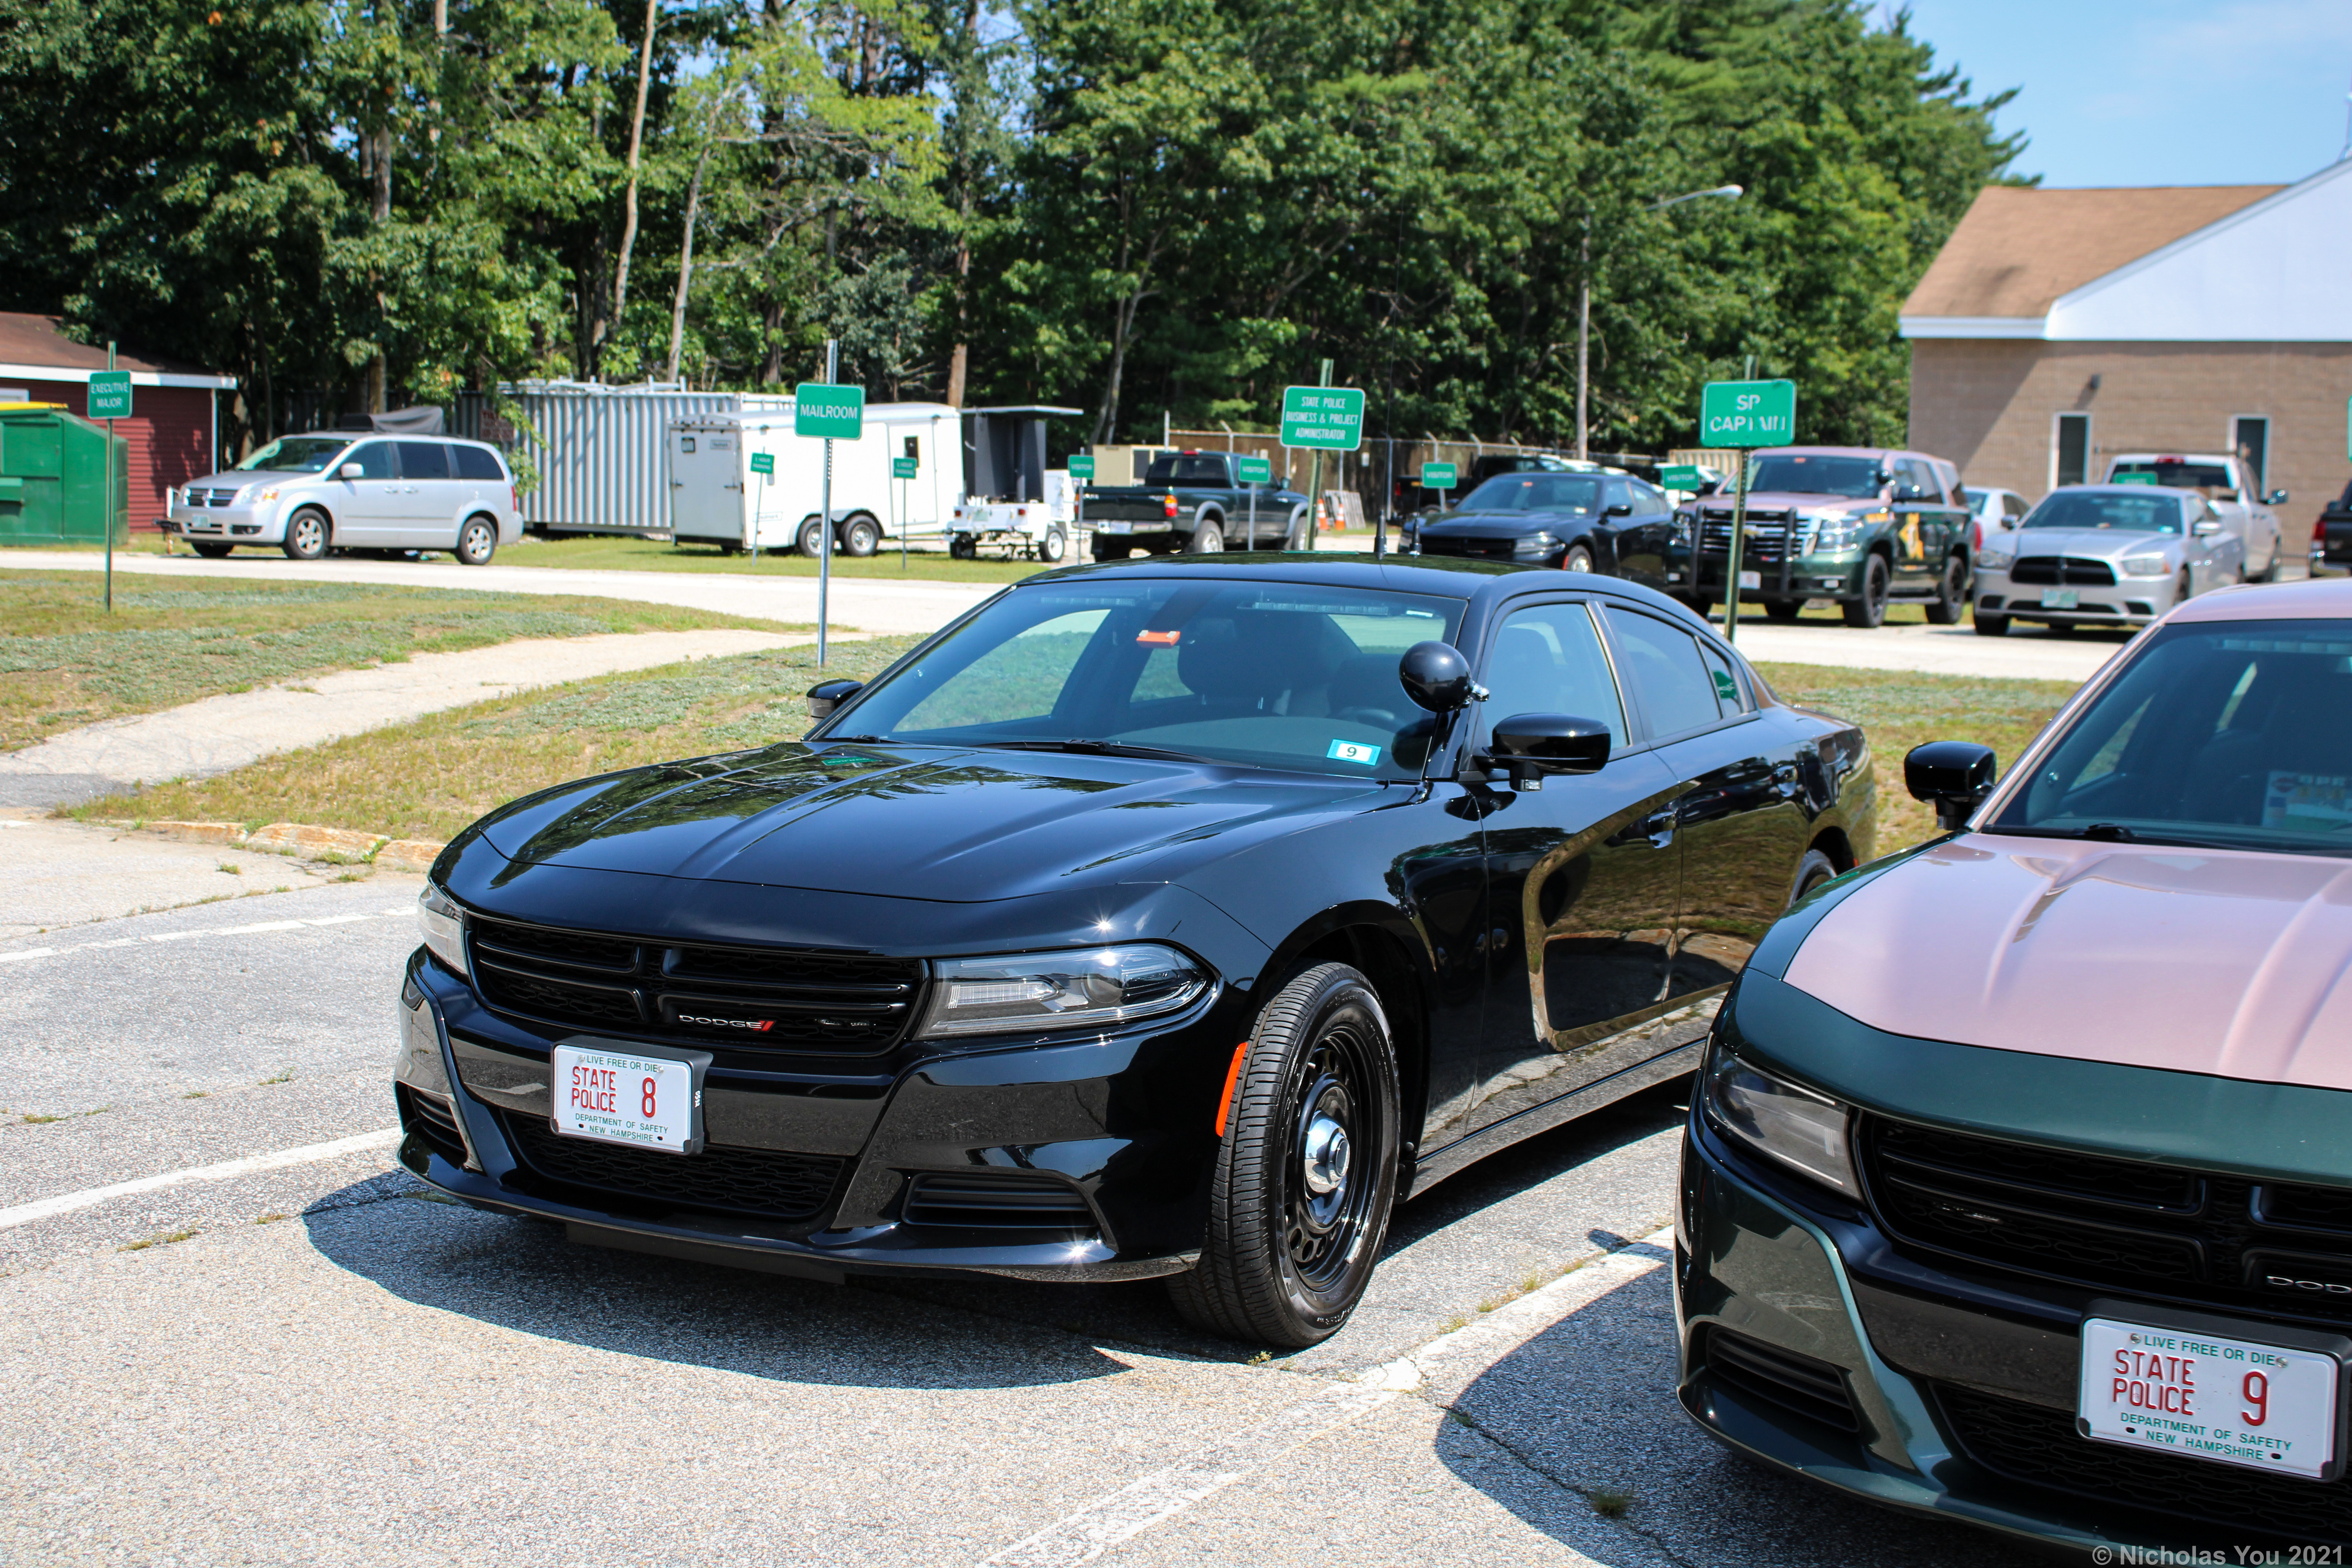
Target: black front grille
1476, 548
2040, 1447
997, 1199
2063, 571
2202, 1238
767, 1182
431, 1118
1811, 1388
748, 998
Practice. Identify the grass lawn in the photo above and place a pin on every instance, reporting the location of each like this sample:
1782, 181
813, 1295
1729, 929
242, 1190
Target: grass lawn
620, 554
64, 662
429, 778
1898, 710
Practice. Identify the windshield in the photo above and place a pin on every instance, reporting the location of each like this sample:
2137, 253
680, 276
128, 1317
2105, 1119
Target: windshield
1859, 477
2234, 733
2211, 479
1535, 492
1186, 470
1274, 674
295, 455
2096, 509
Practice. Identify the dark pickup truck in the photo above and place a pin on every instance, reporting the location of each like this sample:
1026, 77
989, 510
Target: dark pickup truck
1190, 501
2331, 539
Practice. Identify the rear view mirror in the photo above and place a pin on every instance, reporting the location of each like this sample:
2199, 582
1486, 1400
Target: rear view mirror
827, 695
1436, 677
1953, 776
351, 471
1529, 745
2276, 498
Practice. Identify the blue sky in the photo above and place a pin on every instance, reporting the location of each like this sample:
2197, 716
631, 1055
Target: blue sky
2158, 92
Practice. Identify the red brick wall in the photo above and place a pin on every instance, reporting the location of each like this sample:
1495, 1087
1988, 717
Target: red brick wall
170, 437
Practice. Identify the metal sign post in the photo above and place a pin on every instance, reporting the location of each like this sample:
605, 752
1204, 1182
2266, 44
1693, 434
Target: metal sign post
902, 470
1321, 418
826, 411
1253, 472
110, 399
763, 463
1745, 414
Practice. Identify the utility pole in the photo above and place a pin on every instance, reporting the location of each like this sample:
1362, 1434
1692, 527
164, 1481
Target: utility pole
107, 492
825, 524
1583, 337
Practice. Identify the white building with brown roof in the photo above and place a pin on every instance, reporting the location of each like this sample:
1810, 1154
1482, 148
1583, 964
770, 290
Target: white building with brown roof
2057, 326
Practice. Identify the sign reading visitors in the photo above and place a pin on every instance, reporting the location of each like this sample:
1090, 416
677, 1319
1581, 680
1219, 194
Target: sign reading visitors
1328, 419
828, 413
110, 395
904, 467
763, 462
1748, 414
1682, 476
1439, 476
1252, 470
1082, 466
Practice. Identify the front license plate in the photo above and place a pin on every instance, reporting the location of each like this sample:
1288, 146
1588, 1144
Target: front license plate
2236, 1401
622, 1097
2060, 598
1751, 579
1111, 527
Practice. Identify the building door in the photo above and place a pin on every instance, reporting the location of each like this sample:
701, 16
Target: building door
2250, 438
2070, 449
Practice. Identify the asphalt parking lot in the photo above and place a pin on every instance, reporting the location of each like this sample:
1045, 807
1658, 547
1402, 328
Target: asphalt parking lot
381, 1377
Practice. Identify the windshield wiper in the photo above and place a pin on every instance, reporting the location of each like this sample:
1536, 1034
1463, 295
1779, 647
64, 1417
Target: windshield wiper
1092, 749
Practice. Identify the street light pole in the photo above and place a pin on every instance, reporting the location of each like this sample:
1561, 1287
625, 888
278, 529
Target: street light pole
1584, 308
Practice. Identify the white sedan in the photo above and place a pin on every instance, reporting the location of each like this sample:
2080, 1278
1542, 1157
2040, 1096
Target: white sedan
2104, 555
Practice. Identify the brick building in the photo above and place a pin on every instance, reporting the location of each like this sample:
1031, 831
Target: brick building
2058, 327
173, 433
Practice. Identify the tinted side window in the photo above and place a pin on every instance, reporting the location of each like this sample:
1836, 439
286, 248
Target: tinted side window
1729, 694
1618, 495
479, 463
1646, 500
423, 460
1664, 666
374, 460
1548, 659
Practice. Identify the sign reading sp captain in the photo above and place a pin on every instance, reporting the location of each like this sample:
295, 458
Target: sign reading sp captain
1748, 414
827, 412
1331, 418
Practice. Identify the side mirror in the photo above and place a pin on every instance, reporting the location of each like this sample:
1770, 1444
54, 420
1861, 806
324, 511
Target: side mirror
1623, 508
1909, 492
1953, 776
1436, 677
351, 471
1529, 745
2276, 498
2205, 527
827, 695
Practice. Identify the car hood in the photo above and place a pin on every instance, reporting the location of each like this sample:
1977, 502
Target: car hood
1505, 524
2112, 543
2216, 961
237, 478
961, 827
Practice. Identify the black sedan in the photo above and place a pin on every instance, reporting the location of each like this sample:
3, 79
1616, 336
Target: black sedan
1155, 918
1594, 522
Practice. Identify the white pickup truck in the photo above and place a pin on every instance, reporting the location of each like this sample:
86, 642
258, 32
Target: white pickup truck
2244, 511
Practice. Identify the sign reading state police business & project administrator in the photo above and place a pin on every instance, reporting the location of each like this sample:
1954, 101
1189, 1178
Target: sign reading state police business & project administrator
828, 413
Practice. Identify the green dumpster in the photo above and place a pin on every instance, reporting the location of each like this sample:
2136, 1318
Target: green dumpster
52, 481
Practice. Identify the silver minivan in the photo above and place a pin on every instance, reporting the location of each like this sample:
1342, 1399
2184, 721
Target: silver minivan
309, 494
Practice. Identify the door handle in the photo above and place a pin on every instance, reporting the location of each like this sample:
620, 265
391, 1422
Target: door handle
1658, 828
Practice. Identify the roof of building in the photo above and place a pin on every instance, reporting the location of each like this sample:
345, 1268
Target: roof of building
36, 348
2019, 249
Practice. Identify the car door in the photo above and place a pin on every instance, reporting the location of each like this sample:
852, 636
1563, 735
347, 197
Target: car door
428, 500
1641, 535
1583, 875
1918, 507
1741, 818
368, 509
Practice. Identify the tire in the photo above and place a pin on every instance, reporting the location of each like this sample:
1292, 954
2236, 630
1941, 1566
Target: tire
861, 536
1991, 625
1112, 549
1577, 559
1055, 545
2269, 573
211, 549
478, 540
307, 534
1951, 600
963, 547
1282, 1264
1812, 871
1869, 612
730, 549
810, 539
2182, 590
1784, 609
1295, 535
1206, 539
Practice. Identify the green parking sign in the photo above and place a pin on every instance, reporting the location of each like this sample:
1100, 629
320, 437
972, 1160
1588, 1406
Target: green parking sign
1082, 466
110, 395
1326, 418
1439, 476
1748, 414
828, 413
1252, 470
1682, 477
904, 467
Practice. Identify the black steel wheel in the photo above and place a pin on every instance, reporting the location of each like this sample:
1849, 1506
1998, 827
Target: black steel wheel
1812, 871
1869, 612
307, 533
211, 549
1783, 609
1951, 594
1306, 1172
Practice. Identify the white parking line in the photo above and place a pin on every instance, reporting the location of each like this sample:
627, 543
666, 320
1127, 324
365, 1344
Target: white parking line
90, 1197
23, 953
28, 953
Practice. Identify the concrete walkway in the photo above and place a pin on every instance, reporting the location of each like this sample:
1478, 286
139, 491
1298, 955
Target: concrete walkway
2027, 655
218, 734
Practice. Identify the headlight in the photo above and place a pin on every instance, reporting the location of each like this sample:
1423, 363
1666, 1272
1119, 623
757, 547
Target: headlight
2146, 567
1536, 545
1804, 1130
1991, 560
1087, 988
1834, 532
445, 926
270, 494
1682, 528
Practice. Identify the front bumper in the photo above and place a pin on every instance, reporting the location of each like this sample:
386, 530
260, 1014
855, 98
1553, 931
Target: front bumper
1121, 1127
2131, 602
236, 524
1835, 577
1808, 1345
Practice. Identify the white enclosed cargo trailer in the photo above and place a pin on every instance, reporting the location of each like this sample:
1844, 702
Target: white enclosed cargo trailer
743, 479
